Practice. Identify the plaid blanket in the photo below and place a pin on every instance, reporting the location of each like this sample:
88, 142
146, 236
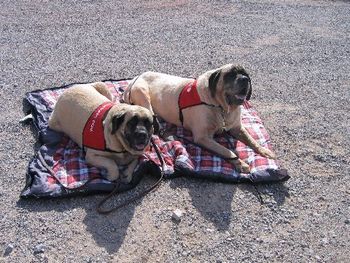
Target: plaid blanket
59, 167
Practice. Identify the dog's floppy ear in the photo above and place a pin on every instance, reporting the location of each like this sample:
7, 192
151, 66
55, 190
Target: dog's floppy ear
213, 80
249, 94
239, 69
116, 121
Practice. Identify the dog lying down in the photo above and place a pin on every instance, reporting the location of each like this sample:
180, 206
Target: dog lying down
205, 106
111, 134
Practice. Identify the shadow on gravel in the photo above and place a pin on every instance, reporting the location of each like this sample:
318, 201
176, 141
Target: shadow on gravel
108, 231
213, 200
217, 201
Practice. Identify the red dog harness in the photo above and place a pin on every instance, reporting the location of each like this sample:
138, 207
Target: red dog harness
93, 133
189, 97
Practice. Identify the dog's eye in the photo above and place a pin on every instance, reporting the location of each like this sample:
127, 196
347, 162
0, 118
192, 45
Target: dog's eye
137, 121
147, 123
133, 121
230, 77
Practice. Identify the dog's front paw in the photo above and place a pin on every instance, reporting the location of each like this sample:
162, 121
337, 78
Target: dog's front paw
267, 153
241, 166
126, 177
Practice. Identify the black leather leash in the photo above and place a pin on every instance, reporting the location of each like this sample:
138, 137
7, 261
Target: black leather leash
227, 136
115, 190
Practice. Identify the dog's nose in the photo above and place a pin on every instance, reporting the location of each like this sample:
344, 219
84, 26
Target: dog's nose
243, 80
141, 135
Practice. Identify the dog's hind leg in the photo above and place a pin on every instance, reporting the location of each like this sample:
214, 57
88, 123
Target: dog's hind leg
54, 122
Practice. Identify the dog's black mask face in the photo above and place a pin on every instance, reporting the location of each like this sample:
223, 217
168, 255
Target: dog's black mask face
237, 86
138, 131
234, 82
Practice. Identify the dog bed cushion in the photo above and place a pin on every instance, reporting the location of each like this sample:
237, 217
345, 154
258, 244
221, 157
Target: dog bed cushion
59, 167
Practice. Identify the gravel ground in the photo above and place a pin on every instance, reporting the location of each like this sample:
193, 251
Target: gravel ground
298, 54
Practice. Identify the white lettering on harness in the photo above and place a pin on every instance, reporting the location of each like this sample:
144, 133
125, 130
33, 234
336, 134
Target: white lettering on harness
92, 126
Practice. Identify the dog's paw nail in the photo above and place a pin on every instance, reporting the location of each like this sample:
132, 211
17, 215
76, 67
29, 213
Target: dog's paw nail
242, 167
245, 170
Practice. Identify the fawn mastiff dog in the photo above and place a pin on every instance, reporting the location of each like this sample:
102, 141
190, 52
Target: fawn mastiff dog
205, 106
111, 134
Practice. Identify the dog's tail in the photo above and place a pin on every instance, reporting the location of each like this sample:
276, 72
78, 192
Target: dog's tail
103, 89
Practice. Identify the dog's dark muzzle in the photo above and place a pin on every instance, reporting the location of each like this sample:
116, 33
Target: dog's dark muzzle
139, 139
141, 136
243, 83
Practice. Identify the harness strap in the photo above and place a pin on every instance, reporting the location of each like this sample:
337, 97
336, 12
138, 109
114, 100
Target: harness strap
128, 94
189, 97
93, 132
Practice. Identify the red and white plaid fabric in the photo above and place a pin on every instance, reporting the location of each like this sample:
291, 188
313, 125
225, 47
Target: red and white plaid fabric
71, 170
